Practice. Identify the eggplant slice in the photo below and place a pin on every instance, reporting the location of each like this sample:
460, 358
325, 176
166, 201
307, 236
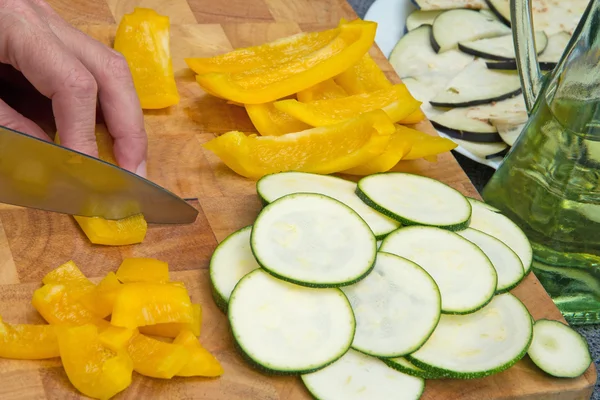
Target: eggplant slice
499, 48
419, 17
456, 124
483, 150
449, 4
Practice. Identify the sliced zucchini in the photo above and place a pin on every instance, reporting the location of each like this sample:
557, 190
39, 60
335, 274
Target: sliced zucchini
231, 260
419, 17
499, 48
479, 203
272, 187
465, 276
477, 84
506, 262
396, 294
481, 149
456, 124
449, 4
559, 350
460, 25
357, 376
403, 365
501, 227
478, 344
313, 240
415, 200
288, 329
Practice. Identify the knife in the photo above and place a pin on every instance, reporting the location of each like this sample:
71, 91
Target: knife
42, 175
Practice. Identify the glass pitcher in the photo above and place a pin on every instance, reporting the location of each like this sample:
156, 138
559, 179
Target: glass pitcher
549, 183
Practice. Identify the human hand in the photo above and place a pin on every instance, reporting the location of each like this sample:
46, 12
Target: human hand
74, 71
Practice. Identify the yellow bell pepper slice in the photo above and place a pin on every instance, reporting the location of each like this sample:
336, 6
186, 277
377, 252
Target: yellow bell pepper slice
398, 147
201, 362
327, 89
143, 39
94, 370
413, 118
67, 273
141, 269
27, 341
139, 304
155, 358
172, 329
101, 300
363, 77
396, 101
321, 150
272, 82
269, 121
115, 337
60, 304
425, 145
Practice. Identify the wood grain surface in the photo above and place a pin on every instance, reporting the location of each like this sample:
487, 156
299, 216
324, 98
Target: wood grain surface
33, 242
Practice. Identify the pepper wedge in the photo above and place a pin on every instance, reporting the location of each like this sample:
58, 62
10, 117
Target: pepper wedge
269, 121
363, 77
27, 341
272, 82
327, 89
425, 145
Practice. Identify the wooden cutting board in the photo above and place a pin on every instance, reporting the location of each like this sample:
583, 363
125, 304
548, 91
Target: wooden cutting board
33, 242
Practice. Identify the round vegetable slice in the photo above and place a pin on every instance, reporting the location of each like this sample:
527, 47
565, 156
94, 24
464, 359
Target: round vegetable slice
559, 350
274, 186
313, 240
479, 344
403, 365
231, 260
415, 200
465, 276
284, 328
397, 294
357, 376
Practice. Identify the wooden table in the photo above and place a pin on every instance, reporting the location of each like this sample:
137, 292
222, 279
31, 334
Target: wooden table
33, 242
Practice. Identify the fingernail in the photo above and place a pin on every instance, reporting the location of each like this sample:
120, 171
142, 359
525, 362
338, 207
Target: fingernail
141, 169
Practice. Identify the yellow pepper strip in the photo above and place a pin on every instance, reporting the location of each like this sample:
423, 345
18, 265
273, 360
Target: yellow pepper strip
398, 147
155, 358
321, 150
172, 329
272, 82
116, 338
269, 121
101, 300
413, 118
27, 341
143, 270
425, 145
363, 77
139, 304
94, 370
143, 39
67, 273
327, 89
201, 362
396, 101
59, 304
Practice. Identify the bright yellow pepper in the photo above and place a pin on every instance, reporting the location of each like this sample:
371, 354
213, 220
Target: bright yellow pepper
201, 361
101, 300
68, 274
363, 77
60, 304
172, 329
269, 121
115, 337
327, 89
27, 341
143, 39
321, 150
142, 269
155, 358
268, 83
425, 145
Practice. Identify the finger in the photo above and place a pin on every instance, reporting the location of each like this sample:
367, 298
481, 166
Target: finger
9, 118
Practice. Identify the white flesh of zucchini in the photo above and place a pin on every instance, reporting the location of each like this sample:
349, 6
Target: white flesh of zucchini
395, 295
272, 187
357, 376
313, 240
286, 328
403, 365
231, 260
499, 48
478, 344
419, 17
502, 228
465, 276
414, 199
461, 25
506, 262
450, 4
482, 204
559, 350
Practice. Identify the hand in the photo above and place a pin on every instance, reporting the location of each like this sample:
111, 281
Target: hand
74, 71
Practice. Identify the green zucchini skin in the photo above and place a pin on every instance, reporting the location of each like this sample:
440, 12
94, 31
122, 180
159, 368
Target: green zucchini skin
425, 374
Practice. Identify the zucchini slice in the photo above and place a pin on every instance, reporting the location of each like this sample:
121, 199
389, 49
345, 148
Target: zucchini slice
479, 203
559, 350
502, 228
357, 376
415, 200
313, 240
465, 276
288, 329
403, 365
473, 25
478, 344
507, 263
500, 48
396, 294
272, 187
231, 260
419, 17
457, 124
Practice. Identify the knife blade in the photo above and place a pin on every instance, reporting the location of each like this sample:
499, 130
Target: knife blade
38, 174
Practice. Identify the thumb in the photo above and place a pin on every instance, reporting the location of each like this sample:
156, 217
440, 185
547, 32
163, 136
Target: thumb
10, 118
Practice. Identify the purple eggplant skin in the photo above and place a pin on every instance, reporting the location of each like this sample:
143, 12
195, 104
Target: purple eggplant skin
497, 13
477, 102
512, 65
488, 137
498, 154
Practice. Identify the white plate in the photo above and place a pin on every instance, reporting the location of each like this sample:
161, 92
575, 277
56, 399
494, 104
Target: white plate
390, 16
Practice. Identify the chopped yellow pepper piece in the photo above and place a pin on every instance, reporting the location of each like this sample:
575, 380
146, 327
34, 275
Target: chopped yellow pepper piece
413, 118
172, 329
327, 89
321, 150
201, 362
27, 341
425, 145
140, 269
269, 121
116, 338
396, 101
60, 304
143, 39
67, 273
271, 82
101, 300
155, 358
363, 77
